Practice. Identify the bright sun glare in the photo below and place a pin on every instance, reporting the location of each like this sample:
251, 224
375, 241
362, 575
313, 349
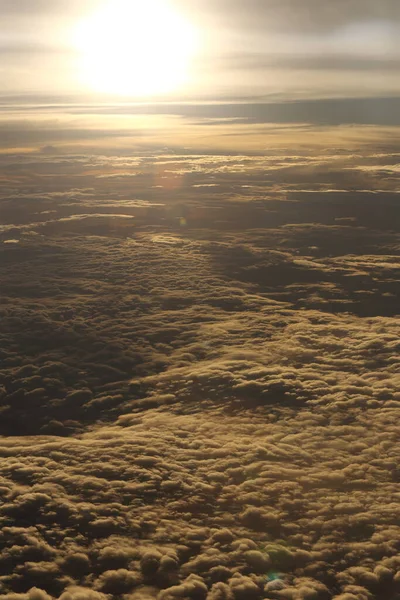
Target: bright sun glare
136, 48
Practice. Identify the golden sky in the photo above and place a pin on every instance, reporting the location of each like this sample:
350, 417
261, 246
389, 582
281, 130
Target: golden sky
126, 74
213, 49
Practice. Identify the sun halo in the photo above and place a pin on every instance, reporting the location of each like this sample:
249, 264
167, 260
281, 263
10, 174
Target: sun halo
135, 48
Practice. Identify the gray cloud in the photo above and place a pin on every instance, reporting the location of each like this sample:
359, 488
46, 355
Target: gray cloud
20, 132
366, 111
308, 16
26, 8
67, 129
311, 62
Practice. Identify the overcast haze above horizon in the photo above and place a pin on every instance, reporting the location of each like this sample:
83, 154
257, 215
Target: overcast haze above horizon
287, 49
135, 69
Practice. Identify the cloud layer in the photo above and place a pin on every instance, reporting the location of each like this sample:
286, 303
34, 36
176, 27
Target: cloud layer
199, 393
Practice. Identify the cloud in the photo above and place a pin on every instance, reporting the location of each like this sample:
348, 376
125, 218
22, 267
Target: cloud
23, 10
334, 61
180, 127
368, 111
17, 134
308, 17
288, 14
200, 401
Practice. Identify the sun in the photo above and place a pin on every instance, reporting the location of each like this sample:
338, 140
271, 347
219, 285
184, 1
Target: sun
138, 48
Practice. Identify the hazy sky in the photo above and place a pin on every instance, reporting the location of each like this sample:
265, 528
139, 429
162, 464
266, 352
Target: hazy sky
229, 48
115, 75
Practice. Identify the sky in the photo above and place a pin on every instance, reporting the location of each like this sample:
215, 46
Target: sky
168, 73
270, 48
